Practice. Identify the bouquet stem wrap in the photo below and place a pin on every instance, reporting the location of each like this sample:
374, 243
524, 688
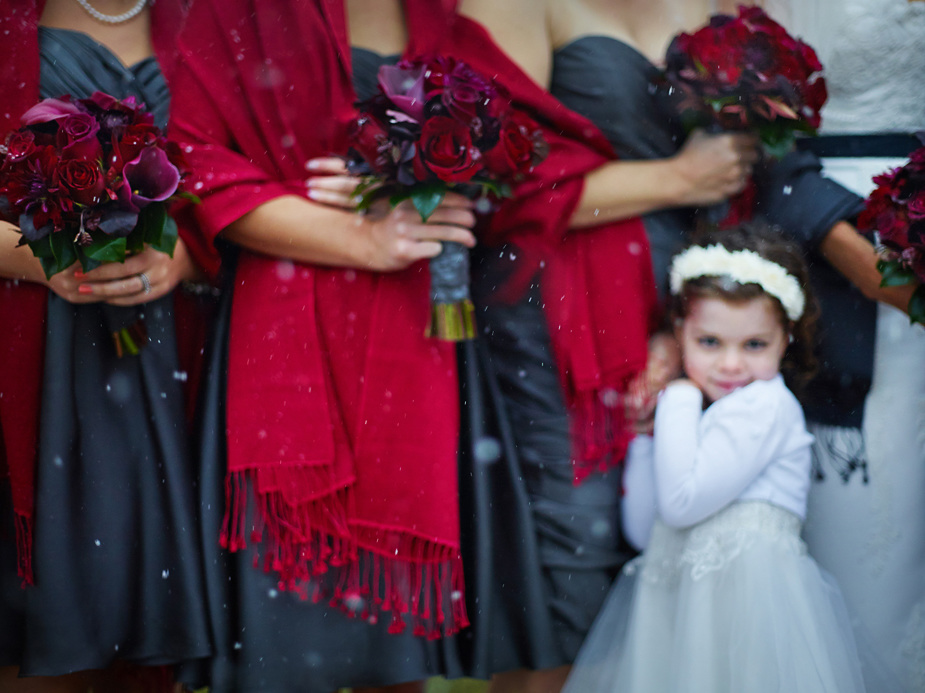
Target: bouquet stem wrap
127, 326
452, 312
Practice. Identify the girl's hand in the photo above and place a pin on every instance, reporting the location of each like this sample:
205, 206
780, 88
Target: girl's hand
144, 277
399, 237
331, 184
712, 168
662, 366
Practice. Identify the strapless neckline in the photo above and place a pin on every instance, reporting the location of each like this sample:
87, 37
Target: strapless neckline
101, 48
612, 40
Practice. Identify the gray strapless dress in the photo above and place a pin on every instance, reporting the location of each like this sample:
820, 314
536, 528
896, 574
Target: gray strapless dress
116, 556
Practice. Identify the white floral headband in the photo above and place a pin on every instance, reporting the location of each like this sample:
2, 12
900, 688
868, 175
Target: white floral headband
742, 266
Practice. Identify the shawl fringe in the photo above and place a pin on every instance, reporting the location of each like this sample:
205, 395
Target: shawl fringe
362, 570
600, 435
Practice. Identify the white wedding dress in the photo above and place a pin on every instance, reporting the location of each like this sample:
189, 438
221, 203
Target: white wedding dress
870, 533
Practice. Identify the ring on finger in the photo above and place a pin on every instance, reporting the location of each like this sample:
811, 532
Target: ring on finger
145, 283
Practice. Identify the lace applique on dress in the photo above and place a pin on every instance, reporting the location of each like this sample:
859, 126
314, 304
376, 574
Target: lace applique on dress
716, 542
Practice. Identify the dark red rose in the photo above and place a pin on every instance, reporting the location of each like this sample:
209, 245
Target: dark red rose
916, 205
371, 142
82, 180
466, 93
76, 128
516, 151
20, 144
445, 150
134, 139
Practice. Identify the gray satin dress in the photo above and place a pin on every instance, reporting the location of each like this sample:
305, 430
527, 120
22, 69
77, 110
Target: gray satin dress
116, 557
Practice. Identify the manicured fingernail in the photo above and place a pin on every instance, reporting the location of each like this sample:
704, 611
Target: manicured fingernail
85, 289
312, 194
79, 275
312, 165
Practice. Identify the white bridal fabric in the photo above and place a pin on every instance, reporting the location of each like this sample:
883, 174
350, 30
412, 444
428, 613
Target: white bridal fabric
871, 535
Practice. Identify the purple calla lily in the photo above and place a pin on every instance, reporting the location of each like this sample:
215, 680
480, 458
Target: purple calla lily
149, 177
405, 88
48, 110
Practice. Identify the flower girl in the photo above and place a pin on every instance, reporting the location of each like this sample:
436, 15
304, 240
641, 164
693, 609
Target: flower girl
725, 598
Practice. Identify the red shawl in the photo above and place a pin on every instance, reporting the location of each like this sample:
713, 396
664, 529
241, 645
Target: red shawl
341, 416
597, 284
22, 305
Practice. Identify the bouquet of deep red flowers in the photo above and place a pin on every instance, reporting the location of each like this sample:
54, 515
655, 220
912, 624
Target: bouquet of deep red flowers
896, 211
89, 181
746, 73
438, 125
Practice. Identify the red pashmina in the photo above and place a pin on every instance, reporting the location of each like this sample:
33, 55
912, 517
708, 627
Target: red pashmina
342, 418
22, 305
597, 285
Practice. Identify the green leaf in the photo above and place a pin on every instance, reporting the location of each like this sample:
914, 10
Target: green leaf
917, 306
186, 195
42, 248
168, 239
427, 197
63, 253
152, 220
894, 274
106, 249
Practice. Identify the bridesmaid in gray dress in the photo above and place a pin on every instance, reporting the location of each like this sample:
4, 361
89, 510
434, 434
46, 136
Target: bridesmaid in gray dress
115, 552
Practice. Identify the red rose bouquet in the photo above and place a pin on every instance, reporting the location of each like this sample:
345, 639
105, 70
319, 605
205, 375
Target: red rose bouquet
438, 125
895, 210
748, 73
89, 181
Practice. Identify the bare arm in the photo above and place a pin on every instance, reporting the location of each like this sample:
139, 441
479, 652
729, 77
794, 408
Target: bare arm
118, 283
707, 170
383, 240
17, 263
856, 258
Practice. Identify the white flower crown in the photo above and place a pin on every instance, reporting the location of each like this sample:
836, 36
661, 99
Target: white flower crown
742, 266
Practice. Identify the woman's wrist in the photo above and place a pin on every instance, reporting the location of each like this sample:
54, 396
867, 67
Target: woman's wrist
17, 262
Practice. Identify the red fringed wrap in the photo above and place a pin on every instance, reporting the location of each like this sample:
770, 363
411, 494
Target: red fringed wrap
22, 305
342, 417
597, 284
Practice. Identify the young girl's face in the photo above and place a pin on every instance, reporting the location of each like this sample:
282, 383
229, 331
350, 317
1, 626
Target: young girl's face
727, 345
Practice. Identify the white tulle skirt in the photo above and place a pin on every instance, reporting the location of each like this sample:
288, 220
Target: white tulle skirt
733, 604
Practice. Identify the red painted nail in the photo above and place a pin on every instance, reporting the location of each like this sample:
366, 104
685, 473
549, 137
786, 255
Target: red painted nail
79, 275
85, 289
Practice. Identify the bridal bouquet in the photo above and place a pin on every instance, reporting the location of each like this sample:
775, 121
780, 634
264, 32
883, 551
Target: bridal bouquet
438, 125
896, 211
89, 181
747, 73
